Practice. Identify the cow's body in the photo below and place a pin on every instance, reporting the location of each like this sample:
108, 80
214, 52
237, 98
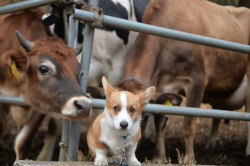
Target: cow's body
46, 75
201, 73
111, 45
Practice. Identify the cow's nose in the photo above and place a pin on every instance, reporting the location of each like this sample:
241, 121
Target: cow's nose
77, 107
82, 107
124, 124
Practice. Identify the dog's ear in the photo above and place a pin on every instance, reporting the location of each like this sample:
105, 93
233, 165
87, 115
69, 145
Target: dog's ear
147, 95
108, 89
167, 99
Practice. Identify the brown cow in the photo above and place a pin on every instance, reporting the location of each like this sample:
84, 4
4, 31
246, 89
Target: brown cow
45, 73
201, 73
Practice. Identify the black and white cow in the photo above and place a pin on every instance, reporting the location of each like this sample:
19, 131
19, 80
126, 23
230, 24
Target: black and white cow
111, 45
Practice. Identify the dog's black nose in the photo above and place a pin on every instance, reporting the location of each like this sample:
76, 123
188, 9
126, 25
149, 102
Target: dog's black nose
124, 124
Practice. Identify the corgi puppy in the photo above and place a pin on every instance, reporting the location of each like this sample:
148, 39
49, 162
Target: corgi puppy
116, 131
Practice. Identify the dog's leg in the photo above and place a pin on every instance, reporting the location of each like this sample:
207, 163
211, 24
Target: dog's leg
131, 158
101, 158
54, 128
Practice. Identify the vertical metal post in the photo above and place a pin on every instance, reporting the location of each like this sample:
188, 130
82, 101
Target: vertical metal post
85, 61
76, 33
66, 123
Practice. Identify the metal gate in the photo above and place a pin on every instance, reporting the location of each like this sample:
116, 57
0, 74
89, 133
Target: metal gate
71, 130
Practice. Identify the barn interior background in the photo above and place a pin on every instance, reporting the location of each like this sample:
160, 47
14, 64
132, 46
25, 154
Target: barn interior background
231, 138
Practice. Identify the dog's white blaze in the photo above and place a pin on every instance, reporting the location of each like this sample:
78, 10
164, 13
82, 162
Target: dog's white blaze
123, 98
123, 114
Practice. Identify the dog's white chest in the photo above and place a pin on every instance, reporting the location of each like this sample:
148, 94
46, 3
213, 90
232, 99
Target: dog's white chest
114, 142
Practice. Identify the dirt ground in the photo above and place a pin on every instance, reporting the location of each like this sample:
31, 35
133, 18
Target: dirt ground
230, 149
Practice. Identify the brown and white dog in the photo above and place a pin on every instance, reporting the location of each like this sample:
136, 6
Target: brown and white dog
118, 127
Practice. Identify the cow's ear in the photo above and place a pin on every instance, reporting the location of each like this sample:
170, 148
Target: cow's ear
16, 61
167, 99
108, 89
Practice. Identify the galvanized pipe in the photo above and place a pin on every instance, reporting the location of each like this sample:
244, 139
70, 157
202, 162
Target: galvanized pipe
66, 127
186, 111
71, 32
76, 33
162, 32
24, 5
85, 61
13, 100
159, 109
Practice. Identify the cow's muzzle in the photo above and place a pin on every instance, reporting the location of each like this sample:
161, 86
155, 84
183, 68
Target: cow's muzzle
76, 108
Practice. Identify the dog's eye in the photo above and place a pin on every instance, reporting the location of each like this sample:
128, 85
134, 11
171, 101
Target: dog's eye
132, 109
116, 108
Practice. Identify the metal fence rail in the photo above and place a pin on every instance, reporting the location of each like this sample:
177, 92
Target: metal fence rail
160, 109
24, 5
162, 32
134, 26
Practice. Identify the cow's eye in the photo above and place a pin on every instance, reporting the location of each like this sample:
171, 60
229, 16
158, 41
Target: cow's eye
44, 70
132, 109
116, 108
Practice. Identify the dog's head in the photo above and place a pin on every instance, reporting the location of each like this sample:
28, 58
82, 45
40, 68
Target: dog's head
123, 107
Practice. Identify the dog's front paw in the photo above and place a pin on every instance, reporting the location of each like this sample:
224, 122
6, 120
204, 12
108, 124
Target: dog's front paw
134, 163
101, 163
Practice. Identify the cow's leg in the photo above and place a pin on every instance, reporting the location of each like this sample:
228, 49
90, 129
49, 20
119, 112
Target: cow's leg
144, 124
160, 126
25, 137
194, 97
4, 110
54, 128
247, 104
212, 138
21, 115
248, 110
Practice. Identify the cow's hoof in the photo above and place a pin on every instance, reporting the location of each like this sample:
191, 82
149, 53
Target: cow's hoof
211, 145
159, 160
248, 150
186, 159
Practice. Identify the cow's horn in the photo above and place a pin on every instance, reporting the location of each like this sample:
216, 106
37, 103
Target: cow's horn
24, 42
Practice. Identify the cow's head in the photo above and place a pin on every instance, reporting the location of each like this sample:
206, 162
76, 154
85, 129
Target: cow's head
137, 85
47, 75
